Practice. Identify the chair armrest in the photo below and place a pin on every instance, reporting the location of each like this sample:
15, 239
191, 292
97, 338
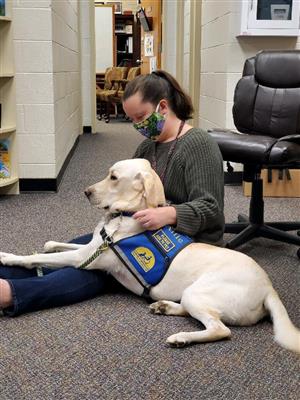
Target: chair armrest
120, 84
223, 130
120, 80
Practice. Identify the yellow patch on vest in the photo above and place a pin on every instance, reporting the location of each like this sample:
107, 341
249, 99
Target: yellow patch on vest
144, 257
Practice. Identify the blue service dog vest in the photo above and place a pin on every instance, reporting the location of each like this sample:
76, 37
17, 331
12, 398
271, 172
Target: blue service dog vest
148, 255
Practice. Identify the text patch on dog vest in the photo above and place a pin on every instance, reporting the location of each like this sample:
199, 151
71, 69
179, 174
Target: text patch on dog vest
149, 254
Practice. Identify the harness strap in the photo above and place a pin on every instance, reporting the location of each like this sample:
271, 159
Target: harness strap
147, 287
96, 254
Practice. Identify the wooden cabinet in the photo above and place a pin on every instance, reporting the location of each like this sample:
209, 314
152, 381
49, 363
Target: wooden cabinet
270, 18
127, 40
8, 158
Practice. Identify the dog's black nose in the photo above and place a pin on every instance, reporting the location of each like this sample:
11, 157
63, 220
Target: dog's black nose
87, 192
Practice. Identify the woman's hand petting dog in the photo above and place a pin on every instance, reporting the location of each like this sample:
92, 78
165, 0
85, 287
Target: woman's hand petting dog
155, 218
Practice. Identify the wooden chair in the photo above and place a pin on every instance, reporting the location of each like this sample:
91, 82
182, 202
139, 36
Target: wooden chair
110, 88
116, 98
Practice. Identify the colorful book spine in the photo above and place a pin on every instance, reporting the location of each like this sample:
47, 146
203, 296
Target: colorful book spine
4, 158
2, 8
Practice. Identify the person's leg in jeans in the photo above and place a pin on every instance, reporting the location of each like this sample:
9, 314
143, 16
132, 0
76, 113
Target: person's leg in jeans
60, 287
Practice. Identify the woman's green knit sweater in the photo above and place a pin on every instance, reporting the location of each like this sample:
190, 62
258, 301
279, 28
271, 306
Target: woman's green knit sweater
194, 183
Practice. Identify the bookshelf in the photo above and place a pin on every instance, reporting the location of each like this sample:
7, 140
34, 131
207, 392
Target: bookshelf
8, 185
127, 40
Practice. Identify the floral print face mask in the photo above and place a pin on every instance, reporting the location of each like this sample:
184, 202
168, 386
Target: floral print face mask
152, 126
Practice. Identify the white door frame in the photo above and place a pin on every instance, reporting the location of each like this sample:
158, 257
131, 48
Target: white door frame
194, 67
195, 57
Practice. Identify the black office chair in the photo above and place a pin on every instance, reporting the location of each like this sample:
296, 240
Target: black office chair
267, 111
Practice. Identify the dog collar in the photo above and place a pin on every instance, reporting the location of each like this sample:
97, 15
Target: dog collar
122, 214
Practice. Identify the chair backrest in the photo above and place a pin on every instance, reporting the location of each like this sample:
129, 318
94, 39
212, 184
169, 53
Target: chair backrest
133, 72
114, 73
123, 71
267, 97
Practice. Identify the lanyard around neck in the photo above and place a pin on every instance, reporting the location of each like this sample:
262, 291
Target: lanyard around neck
169, 156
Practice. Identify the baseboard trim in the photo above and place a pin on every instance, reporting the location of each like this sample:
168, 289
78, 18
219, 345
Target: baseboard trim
47, 184
87, 129
233, 178
52, 185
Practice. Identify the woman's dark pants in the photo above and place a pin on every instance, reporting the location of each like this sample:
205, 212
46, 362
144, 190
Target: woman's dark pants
57, 287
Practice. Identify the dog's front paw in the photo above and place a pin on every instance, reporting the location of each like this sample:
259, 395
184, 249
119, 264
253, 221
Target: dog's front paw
10, 259
160, 307
178, 340
50, 247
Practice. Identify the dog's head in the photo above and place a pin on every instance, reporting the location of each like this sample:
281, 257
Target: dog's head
130, 185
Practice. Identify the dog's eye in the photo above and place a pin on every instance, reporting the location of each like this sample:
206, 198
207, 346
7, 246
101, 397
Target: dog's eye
113, 177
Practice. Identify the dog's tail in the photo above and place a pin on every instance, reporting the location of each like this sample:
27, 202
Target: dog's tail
286, 334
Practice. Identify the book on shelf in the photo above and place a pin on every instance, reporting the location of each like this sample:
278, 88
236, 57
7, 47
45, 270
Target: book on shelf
130, 44
2, 8
4, 158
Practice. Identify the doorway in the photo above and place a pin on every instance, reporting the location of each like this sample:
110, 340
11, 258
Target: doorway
126, 36
170, 57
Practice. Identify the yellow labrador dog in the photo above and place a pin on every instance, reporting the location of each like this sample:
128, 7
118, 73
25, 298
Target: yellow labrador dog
216, 286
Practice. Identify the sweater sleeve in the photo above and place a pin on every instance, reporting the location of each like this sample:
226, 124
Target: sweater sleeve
202, 166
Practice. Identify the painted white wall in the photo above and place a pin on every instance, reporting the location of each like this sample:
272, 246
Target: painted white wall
104, 38
47, 62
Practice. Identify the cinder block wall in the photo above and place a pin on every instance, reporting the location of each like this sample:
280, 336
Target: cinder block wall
34, 89
222, 59
66, 77
47, 84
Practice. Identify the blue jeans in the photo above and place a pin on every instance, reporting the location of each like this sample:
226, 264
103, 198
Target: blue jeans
58, 287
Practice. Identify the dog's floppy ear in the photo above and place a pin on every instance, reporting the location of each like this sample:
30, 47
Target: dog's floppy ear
153, 188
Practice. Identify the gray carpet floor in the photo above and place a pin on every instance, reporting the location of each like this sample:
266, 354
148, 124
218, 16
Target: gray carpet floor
111, 347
